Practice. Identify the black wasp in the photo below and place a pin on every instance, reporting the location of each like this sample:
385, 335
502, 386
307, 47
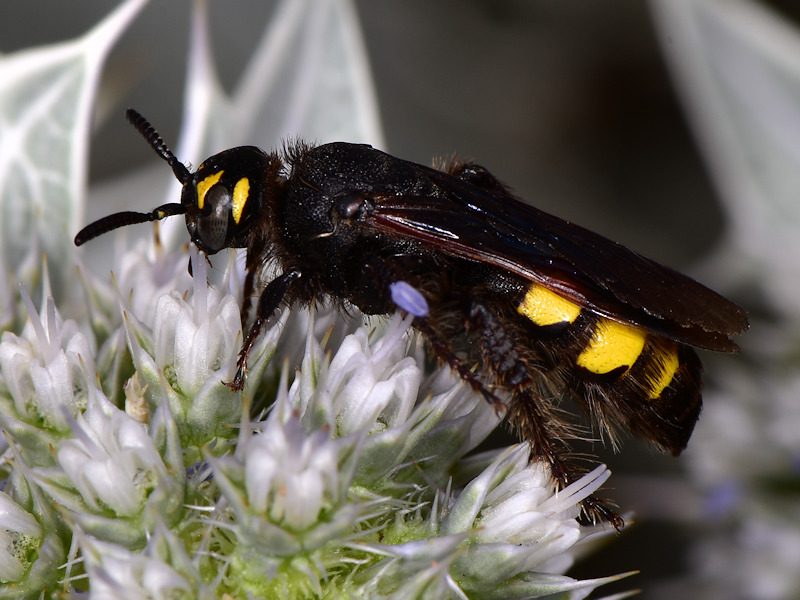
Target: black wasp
546, 308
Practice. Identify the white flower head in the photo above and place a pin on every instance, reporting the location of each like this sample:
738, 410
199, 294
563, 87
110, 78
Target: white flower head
198, 340
140, 276
191, 353
110, 471
373, 391
145, 273
291, 476
30, 554
368, 386
43, 368
521, 510
161, 570
288, 487
17, 529
497, 537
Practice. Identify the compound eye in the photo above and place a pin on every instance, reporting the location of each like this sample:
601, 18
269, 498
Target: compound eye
212, 223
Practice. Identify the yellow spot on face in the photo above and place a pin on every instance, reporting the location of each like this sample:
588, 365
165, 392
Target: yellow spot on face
205, 185
612, 346
544, 307
241, 192
668, 364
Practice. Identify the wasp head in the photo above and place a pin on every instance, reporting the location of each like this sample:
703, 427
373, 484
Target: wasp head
219, 200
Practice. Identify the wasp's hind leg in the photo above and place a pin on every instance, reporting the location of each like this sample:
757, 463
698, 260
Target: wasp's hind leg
506, 355
442, 349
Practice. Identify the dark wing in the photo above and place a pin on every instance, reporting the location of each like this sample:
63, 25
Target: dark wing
494, 227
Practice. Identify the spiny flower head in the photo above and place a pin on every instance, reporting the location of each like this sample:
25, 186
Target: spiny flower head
343, 486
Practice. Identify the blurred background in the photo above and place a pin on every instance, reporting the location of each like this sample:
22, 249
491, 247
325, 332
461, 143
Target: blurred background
568, 102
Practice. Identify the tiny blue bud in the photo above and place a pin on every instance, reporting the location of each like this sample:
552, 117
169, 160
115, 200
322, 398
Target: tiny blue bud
409, 299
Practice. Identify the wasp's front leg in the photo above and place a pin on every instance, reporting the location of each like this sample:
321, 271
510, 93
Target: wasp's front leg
268, 303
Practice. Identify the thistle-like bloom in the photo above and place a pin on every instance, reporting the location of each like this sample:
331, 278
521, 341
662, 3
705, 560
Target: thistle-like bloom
31, 550
113, 477
42, 369
188, 355
353, 484
343, 472
162, 569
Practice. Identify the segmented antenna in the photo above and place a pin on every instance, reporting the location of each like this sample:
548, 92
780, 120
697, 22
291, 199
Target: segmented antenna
122, 219
149, 133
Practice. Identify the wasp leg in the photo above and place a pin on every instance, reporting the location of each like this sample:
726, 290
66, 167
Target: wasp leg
442, 349
252, 268
530, 413
268, 303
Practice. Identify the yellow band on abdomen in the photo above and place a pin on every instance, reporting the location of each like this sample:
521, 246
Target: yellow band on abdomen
667, 363
613, 345
544, 307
